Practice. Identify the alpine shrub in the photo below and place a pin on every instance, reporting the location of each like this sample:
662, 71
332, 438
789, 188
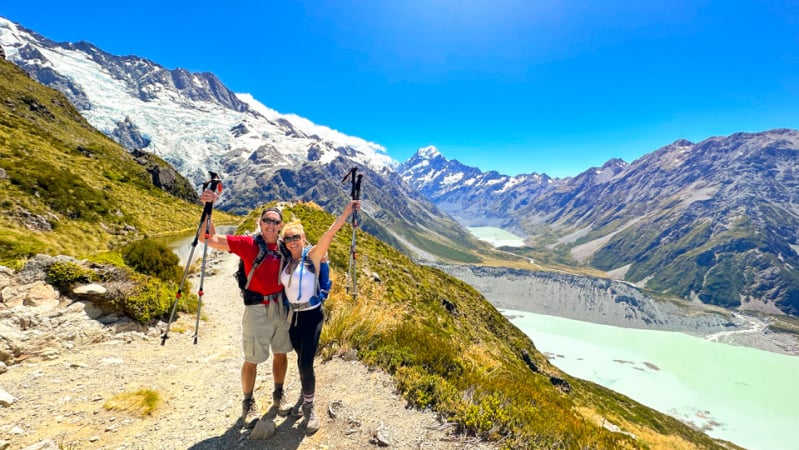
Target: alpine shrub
64, 274
152, 258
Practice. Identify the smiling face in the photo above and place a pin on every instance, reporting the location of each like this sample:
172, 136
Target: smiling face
294, 238
270, 224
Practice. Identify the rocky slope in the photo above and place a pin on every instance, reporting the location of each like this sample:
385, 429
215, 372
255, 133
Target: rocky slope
616, 303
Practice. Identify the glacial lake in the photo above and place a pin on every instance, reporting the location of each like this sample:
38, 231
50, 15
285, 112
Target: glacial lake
739, 394
497, 236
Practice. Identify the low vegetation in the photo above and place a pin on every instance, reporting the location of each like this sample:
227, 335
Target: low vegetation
145, 289
142, 402
152, 258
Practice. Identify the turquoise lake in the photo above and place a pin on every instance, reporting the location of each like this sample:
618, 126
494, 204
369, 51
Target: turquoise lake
739, 394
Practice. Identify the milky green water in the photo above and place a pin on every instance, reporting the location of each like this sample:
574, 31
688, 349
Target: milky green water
497, 236
747, 396
181, 245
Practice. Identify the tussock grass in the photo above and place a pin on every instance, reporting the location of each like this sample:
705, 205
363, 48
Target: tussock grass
352, 320
142, 402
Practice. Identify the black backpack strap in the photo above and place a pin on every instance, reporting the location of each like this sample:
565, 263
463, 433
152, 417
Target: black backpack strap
263, 250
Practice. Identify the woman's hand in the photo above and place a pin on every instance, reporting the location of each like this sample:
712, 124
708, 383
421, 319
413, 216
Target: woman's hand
353, 205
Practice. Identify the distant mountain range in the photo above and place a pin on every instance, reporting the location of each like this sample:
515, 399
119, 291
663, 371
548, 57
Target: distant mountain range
716, 222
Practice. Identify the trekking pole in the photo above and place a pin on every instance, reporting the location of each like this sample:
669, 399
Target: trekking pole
214, 184
355, 193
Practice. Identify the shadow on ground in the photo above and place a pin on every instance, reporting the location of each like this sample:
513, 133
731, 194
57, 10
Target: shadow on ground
286, 437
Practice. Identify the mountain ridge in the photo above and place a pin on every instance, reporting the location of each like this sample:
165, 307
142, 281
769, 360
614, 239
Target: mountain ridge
649, 222
715, 221
193, 122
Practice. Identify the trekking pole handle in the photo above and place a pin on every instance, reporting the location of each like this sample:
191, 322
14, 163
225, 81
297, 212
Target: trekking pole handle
356, 188
352, 180
215, 185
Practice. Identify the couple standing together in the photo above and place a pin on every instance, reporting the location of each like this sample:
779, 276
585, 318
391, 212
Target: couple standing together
275, 324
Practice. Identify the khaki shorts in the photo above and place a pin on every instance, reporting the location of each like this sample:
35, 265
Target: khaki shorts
264, 327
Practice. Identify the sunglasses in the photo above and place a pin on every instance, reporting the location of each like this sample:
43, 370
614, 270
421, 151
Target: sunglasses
293, 238
268, 221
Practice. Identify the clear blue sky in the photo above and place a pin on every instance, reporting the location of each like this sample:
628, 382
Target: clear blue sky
516, 86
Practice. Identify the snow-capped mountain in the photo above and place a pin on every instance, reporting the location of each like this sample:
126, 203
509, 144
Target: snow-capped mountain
473, 197
195, 123
191, 120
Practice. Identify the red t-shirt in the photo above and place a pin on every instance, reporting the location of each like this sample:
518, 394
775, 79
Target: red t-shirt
265, 280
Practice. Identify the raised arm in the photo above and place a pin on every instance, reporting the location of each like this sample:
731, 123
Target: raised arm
320, 249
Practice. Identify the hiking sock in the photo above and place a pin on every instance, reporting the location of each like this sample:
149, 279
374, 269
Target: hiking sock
311, 421
248, 396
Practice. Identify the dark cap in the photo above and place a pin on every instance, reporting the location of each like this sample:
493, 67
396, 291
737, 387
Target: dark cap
280, 214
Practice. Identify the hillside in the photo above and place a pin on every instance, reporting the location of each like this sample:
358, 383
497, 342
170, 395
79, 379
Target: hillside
449, 350
67, 188
446, 349
75, 380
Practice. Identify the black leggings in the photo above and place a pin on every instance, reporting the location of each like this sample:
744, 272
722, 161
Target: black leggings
306, 327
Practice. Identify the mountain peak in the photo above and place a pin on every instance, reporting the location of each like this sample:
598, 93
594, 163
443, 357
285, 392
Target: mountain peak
682, 143
429, 152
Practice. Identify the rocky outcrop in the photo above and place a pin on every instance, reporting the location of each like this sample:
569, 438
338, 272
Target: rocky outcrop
36, 320
128, 135
166, 177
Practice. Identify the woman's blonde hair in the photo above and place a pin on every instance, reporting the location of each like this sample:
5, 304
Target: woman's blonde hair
293, 225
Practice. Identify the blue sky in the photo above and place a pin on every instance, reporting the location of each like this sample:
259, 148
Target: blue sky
516, 86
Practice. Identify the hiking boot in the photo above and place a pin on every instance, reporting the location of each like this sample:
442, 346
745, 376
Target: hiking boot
311, 422
296, 410
249, 413
281, 402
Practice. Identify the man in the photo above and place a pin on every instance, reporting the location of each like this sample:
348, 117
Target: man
264, 320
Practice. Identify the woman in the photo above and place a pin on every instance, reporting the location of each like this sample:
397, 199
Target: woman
306, 316
263, 323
